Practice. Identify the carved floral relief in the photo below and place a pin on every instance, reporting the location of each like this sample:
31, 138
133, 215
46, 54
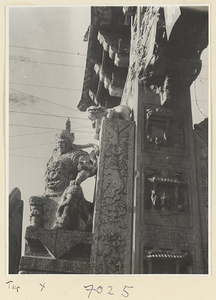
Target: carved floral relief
113, 223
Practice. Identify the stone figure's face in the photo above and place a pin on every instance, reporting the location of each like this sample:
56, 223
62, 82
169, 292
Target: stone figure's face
84, 163
57, 179
62, 146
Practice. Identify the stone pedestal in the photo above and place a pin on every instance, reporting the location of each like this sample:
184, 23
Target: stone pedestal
112, 234
56, 251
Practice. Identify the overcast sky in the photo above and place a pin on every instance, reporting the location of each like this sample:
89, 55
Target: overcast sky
55, 79
38, 77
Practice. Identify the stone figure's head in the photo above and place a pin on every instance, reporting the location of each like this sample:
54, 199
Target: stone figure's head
95, 114
64, 141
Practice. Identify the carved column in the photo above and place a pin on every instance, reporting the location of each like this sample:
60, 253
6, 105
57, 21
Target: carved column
112, 236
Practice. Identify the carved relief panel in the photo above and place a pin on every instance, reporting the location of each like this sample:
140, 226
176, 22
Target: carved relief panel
167, 261
164, 131
166, 190
172, 253
111, 248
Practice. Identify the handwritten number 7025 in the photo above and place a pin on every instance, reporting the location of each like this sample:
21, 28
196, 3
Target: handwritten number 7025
90, 288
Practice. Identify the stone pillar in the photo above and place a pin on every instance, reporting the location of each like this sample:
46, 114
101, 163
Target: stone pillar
112, 235
201, 155
165, 167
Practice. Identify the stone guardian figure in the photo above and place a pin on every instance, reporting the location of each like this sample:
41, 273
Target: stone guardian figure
67, 168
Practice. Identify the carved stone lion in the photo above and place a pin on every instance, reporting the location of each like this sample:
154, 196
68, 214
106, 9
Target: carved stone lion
96, 113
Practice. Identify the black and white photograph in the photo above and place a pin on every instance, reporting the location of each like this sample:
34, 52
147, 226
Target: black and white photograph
108, 141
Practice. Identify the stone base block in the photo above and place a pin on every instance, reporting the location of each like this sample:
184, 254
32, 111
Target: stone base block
41, 265
57, 243
56, 252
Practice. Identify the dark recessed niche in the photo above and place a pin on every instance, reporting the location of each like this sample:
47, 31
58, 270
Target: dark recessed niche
163, 129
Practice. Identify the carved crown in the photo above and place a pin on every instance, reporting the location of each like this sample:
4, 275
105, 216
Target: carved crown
66, 136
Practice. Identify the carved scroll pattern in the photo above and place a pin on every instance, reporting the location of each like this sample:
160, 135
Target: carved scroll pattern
114, 203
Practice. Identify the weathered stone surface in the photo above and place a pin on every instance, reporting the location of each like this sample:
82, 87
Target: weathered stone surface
112, 236
56, 242
38, 265
56, 251
15, 230
169, 219
156, 235
50, 206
